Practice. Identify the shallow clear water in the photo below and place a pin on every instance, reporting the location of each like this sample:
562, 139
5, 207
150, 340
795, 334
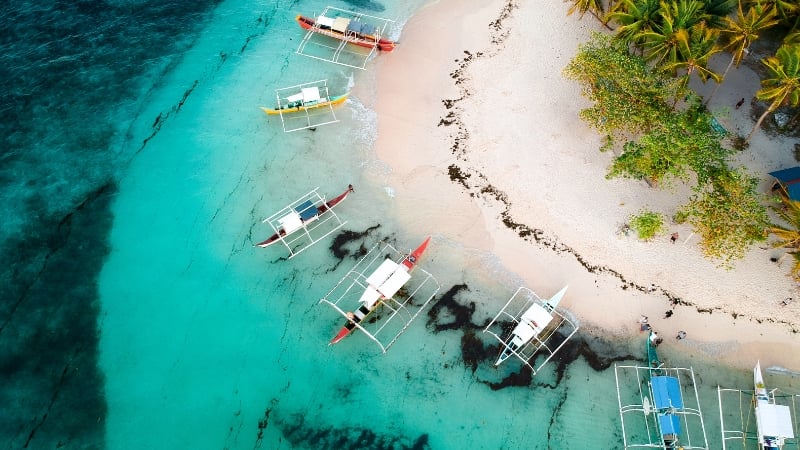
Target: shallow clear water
136, 312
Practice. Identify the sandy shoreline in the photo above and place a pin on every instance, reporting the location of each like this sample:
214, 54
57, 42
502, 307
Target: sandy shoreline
516, 133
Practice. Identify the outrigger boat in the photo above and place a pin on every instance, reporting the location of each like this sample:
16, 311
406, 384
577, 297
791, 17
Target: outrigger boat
306, 105
304, 214
660, 407
775, 426
352, 31
774, 421
306, 99
537, 325
344, 37
381, 285
389, 284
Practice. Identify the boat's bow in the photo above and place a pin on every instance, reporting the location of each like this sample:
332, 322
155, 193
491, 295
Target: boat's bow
411, 260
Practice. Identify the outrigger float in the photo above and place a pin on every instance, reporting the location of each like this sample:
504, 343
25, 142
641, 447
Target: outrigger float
775, 415
344, 37
665, 410
307, 105
380, 296
300, 224
539, 328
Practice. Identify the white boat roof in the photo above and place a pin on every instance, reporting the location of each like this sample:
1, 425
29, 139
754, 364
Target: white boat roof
311, 94
394, 283
295, 97
774, 420
370, 297
340, 24
325, 21
291, 222
382, 273
531, 324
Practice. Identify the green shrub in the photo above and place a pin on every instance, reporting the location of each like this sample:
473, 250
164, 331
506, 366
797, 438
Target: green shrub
647, 224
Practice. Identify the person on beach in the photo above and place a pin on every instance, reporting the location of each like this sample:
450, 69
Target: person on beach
681, 335
674, 237
668, 314
786, 301
740, 103
652, 287
644, 326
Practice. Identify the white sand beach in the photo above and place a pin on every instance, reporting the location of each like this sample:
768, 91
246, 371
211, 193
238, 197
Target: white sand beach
515, 132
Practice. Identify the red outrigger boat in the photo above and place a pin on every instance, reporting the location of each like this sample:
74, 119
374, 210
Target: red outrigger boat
348, 30
302, 215
384, 282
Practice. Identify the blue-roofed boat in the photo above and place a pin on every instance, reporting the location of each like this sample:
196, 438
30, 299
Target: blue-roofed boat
656, 404
302, 217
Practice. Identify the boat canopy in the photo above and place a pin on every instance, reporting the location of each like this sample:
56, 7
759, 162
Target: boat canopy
291, 222
394, 283
325, 21
307, 210
340, 24
774, 420
666, 393
311, 94
670, 424
361, 28
370, 297
382, 273
536, 318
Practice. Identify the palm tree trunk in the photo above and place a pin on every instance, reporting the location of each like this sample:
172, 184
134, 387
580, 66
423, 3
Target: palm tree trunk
724, 74
757, 125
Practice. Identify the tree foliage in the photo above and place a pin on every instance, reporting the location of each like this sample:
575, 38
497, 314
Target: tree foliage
627, 96
728, 214
787, 233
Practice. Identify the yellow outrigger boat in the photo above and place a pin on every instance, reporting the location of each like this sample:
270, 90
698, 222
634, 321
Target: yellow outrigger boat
308, 98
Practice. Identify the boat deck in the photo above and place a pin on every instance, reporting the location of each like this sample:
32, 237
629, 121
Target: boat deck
394, 314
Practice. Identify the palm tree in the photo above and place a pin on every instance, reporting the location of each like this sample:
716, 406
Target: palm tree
634, 17
661, 43
788, 236
784, 85
786, 9
595, 7
695, 48
743, 31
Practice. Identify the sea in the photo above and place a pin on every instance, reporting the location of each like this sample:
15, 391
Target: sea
135, 311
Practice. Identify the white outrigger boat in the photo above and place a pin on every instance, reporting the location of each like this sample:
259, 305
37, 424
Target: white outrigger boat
536, 324
345, 37
775, 428
665, 405
304, 106
304, 222
380, 296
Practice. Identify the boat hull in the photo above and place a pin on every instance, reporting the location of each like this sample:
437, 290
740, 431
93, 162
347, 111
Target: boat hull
334, 101
362, 40
321, 209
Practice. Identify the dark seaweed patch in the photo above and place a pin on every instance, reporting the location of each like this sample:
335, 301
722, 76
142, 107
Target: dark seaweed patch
302, 435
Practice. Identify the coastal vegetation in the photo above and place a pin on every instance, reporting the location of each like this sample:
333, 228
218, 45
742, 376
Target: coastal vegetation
666, 135
637, 78
647, 224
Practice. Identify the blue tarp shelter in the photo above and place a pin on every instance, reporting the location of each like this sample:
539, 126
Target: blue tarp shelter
666, 393
789, 179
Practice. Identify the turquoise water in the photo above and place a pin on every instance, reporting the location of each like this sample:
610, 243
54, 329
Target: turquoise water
136, 313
